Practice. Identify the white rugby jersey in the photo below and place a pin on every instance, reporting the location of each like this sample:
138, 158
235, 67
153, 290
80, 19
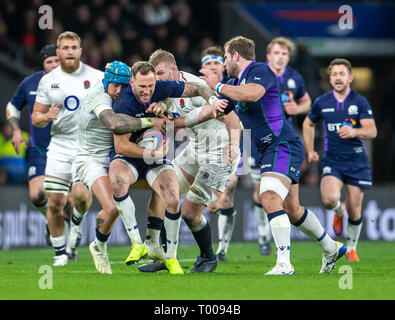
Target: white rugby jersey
95, 138
208, 138
69, 90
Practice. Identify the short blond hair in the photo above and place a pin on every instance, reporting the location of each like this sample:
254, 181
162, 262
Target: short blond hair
68, 35
160, 56
283, 42
244, 46
142, 67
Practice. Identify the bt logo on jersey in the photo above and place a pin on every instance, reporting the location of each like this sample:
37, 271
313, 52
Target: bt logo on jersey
334, 126
71, 103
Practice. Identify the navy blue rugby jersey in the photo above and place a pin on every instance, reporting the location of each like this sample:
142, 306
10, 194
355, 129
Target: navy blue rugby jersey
26, 95
265, 117
128, 103
333, 115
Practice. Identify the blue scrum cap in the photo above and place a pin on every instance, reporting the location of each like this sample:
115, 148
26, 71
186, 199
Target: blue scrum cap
116, 72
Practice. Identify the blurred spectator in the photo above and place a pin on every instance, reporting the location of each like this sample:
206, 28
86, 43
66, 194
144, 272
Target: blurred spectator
132, 59
147, 46
57, 29
181, 53
182, 23
103, 35
97, 7
94, 58
82, 22
204, 43
12, 166
156, 13
4, 41
161, 35
114, 16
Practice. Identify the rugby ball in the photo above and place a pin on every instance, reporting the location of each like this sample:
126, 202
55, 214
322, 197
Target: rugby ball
151, 139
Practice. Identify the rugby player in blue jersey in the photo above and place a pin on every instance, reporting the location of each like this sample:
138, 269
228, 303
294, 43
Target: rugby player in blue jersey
347, 119
253, 90
39, 137
296, 101
132, 162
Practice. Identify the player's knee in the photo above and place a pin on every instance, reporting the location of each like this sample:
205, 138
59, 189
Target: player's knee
82, 199
38, 199
329, 201
119, 186
189, 219
56, 203
271, 202
172, 204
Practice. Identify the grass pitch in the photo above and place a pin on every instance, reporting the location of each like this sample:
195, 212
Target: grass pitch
241, 278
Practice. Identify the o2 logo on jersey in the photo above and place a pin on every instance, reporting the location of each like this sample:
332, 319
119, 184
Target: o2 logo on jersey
71, 103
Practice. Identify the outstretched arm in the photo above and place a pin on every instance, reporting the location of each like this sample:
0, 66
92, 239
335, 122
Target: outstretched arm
250, 92
195, 89
122, 123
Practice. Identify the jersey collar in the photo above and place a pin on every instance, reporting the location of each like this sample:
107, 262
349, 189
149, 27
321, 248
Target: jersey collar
242, 72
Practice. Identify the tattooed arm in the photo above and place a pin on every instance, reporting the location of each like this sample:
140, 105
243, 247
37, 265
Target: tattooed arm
122, 123
194, 89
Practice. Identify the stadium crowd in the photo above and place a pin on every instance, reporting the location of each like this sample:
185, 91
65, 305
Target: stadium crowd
130, 31
122, 29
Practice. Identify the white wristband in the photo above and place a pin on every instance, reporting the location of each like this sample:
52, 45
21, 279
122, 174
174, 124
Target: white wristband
218, 87
12, 111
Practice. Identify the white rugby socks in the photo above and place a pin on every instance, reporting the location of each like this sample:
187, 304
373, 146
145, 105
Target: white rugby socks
310, 225
281, 231
127, 212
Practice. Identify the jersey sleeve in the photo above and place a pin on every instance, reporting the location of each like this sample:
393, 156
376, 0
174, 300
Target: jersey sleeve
365, 111
261, 74
168, 89
19, 99
315, 114
100, 103
42, 92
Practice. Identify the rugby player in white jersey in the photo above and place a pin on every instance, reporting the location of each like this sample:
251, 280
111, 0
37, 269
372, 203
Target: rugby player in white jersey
59, 97
202, 170
98, 121
213, 59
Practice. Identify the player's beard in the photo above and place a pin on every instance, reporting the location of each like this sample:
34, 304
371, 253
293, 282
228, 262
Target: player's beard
231, 70
69, 67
